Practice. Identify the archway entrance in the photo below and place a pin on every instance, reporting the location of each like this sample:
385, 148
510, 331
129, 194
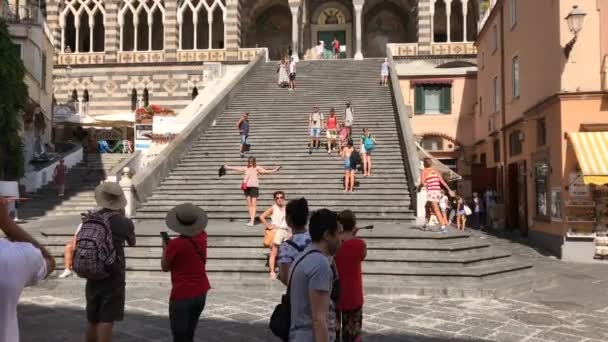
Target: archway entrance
386, 22
270, 29
332, 20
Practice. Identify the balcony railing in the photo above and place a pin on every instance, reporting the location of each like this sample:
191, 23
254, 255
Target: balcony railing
22, 15
411, 49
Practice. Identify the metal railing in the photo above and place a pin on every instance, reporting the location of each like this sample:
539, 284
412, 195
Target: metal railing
23, 14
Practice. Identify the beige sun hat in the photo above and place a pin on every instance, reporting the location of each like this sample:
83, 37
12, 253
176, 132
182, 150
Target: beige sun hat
187, 219
109, 195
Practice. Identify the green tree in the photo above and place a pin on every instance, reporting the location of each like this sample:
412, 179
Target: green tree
13, 99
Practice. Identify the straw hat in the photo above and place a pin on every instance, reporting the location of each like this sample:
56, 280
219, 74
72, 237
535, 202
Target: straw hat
187, 219
109, 195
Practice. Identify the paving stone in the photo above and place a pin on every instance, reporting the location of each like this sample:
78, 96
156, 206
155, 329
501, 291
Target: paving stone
482, 323
394, 315
557, 337
506, 337
451, 327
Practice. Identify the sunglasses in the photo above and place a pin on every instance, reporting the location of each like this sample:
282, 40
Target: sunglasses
279, 197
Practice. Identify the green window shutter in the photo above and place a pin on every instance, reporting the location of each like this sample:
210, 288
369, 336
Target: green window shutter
418, 100
446, 100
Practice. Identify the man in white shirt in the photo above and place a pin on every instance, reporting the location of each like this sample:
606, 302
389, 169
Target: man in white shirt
26, 261
292, 74
315, 123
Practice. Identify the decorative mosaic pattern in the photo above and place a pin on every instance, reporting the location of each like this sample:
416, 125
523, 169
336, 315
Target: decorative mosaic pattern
81, 58
409, 49
453, 49
141, 57
201, 56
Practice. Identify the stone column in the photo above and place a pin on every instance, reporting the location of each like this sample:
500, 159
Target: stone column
232, 29
170, 25
448, 14
424, 26
294, 6
77, 41
465, 8
358, 4
126, 183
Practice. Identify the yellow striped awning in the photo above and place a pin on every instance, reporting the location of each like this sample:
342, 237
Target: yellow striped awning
591, 150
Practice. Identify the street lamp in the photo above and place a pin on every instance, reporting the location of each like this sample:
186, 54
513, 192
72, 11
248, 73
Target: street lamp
575, 20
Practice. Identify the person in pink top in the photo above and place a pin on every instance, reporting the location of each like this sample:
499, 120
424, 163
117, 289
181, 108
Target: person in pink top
59, 177
332, 131
432, 179
251, 184
351, 254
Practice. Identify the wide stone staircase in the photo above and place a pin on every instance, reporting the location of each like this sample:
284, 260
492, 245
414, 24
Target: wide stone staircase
279, 136
81, 181
401, 257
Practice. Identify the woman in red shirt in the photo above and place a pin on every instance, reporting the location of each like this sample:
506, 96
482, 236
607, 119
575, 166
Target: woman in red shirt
332, 131
348, 261
185, 257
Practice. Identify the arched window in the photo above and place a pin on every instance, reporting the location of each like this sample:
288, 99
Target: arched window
142, 25
82, 25
194, 93
85, 96
146, 97
440, 22
133, 99
201, 24
456, 22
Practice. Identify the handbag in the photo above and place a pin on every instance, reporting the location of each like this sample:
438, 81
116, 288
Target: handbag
244, 185
467, 210
269, 236
280, 321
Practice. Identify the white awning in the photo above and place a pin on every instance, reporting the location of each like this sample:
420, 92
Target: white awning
121, 117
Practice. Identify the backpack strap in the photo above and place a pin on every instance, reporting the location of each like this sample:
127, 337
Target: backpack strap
294, 245
198, 250
294, 268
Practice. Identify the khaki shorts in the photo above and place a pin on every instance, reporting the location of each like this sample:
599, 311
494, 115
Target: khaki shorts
331, 134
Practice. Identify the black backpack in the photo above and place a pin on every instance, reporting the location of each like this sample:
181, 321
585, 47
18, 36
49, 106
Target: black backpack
355, 159
280, 321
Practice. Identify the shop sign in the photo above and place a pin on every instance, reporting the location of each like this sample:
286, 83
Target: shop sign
577, 186
142, 136
163, 124
108, 134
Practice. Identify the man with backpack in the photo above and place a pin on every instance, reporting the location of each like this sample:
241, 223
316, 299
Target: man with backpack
100, 258
315, 123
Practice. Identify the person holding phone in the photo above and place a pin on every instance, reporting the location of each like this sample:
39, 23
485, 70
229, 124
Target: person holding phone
186, 257
349, 258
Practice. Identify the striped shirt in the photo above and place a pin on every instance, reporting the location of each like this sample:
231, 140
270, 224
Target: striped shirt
432, 181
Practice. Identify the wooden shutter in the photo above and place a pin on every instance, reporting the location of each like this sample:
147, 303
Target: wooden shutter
418, 100
446, 100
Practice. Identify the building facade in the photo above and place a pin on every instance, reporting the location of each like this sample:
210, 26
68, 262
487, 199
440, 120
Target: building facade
541, 82
31, 38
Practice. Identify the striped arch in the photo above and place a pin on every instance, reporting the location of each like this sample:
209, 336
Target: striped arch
73, 19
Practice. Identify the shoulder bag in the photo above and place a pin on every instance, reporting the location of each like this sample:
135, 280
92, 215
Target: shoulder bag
280, 321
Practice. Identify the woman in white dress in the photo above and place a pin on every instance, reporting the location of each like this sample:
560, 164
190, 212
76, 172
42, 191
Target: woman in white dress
283, 77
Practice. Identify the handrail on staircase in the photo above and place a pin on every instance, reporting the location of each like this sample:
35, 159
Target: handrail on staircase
407, 135
148, 179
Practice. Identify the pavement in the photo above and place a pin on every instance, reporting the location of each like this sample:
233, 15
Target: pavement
574, 308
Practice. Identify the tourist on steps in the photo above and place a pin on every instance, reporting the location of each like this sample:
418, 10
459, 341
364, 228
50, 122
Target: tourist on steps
23, 262
296, 239
59, 177
332, 131
384, 70
349, 258
243, 126
185, 257
106, 297
368, 145
276, 213
461, 215
315, 123
251, 184
432, 179
349, 167
292, 74
335, 44
349, 117
314, 284
283, 77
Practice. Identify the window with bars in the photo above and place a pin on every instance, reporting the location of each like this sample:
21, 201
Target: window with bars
433, 99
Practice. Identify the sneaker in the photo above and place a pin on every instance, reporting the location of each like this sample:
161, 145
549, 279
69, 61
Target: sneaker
65, 274
249, 224
328, 151
310, 151
273, 276
242, 155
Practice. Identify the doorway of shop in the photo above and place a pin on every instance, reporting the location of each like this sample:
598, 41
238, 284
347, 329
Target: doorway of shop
327, 37
517, 205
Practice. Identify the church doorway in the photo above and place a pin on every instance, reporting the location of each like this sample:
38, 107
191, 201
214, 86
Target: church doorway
269, 27
386, 22
330, 20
